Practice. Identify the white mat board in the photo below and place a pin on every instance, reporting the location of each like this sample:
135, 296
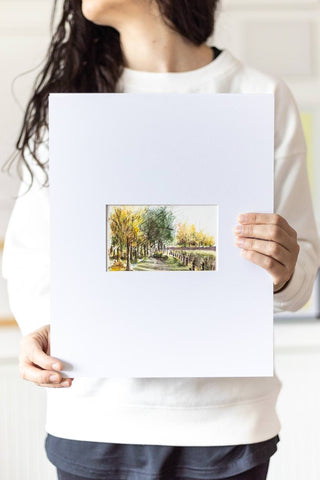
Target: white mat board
162, 149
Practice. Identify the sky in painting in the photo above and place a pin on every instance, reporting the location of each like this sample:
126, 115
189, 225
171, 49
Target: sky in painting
203, 217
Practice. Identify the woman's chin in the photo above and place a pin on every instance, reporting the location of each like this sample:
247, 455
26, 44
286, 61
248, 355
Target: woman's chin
95, 11
102, 12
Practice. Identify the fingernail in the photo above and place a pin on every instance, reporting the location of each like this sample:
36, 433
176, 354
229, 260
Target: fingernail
238, 229
54, 378
56, 366
242, 218
65, 383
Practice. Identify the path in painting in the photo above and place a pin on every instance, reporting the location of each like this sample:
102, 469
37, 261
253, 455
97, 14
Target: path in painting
157, 264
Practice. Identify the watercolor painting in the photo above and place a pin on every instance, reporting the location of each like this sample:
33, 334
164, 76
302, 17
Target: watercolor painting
161, 237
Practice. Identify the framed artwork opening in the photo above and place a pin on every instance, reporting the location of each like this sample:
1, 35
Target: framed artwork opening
142, 238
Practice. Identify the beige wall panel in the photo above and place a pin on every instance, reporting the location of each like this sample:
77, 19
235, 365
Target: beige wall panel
288, 54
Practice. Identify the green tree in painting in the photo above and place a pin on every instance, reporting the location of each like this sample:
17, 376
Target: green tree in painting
158, 226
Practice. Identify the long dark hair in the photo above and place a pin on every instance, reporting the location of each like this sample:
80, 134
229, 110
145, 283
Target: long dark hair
85, 57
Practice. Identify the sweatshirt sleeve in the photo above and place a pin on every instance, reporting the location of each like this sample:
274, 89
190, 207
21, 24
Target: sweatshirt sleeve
26, 255
293, 200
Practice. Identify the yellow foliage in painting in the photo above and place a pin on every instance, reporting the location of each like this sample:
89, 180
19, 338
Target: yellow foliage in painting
187, 235
125, 225
117, 267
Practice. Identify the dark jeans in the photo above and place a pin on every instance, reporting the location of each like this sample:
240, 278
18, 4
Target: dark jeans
257, 473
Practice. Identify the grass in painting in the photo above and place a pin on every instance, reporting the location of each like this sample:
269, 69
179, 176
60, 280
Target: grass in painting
159, 238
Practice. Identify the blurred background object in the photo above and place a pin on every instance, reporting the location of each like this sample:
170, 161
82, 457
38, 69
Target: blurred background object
280, 37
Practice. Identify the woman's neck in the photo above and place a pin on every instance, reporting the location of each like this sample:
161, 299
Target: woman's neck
148, 44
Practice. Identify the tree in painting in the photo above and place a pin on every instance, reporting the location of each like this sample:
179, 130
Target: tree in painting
187, 236
126, 235
158, 227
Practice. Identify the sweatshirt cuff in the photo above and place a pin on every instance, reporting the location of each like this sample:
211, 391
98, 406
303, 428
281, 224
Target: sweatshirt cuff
293, 296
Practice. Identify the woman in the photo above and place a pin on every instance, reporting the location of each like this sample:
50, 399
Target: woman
208, 428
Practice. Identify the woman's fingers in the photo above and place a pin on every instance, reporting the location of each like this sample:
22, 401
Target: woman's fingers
33, 351
271, 249
37, 366
276, 269
34, 347
41, 377
268, 232
67, 382
269, 241
267, 219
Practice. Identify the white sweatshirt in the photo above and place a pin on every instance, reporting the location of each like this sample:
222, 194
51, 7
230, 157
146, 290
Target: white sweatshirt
170, 411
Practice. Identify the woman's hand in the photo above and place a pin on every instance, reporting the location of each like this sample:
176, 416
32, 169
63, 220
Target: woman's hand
35, 363
268, 240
